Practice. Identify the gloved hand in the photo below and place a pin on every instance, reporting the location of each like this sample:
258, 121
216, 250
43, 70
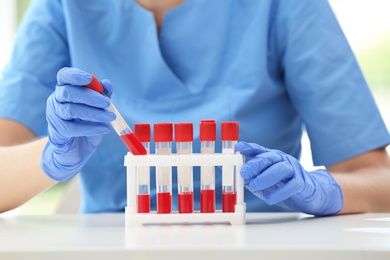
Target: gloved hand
77, 120
280, 179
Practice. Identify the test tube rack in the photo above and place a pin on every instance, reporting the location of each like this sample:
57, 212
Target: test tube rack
226, 161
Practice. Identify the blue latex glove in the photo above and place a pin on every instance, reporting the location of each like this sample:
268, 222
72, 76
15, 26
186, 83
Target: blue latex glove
280, 179
77, 120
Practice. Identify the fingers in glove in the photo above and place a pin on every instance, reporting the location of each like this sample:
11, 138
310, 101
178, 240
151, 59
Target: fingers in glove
69, 111
250, 149
107, 85
73, 76
70, 129
81, 95
271, 176
288, 190
258, 164
263, 194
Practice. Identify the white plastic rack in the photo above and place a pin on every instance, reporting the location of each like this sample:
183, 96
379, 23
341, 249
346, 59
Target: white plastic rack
226, 161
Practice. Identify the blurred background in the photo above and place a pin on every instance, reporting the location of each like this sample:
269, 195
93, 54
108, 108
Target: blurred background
366, 23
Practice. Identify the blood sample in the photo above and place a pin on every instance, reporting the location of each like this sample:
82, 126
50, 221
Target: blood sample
143, 203
119, 124
131, 141
183, 139
207, 174
229, 136
142, 131
229, 201
163, 145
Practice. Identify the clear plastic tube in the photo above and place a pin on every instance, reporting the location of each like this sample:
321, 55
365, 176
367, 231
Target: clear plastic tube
164, 180
207, 179
119, 124
207, 172
125, 133
229, 138
183, 139
163, 145
185, 180
207, 175
142, 131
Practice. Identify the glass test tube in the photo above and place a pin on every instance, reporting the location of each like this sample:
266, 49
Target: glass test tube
119, 124
142, 131
183, 139
163, 145
229, 136
207, 174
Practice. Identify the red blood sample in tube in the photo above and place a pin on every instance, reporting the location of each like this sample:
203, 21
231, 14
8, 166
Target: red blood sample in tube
142, 131
207, 201
131, 141
143, 201
229, 137
184, 137
207, 194
134, 145
186, 202
163, 139
164, 202
229, 201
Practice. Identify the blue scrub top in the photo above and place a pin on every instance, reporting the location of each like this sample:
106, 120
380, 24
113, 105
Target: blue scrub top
274, 66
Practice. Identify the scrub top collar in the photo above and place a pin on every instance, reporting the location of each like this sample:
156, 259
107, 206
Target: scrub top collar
181, 9
157, 40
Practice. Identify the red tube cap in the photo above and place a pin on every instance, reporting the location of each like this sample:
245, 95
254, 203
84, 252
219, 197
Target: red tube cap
142, 131
163, 132
229, 131
184, 132
95, 85
207, 130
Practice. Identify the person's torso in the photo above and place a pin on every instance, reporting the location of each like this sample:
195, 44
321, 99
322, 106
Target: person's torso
211, 60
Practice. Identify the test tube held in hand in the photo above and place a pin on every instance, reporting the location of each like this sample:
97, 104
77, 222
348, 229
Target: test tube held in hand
229, 136
183, 139
119, 124
142, 131
163, 145
207, 175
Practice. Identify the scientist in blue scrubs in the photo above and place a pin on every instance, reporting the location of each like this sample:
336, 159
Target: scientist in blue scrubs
275, 66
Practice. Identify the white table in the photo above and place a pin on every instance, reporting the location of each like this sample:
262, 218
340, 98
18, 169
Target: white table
266, 236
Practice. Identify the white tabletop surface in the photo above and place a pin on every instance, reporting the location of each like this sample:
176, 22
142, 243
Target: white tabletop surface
265, 236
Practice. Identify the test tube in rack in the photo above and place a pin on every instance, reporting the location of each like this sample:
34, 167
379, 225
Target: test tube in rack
207, 173
163, 145
183, 138
229, 137
142, 131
